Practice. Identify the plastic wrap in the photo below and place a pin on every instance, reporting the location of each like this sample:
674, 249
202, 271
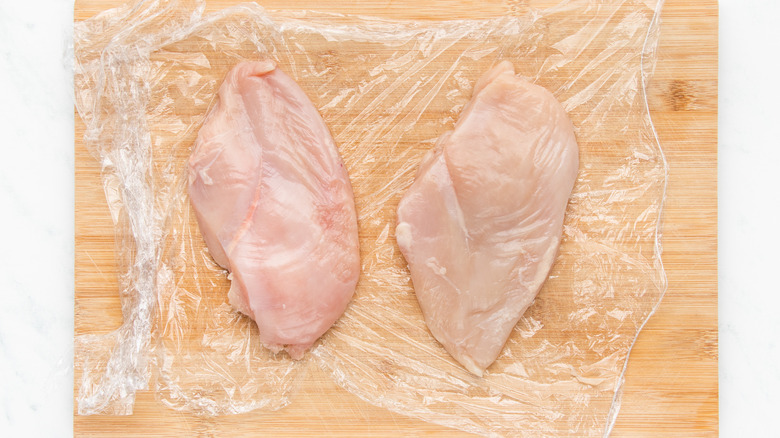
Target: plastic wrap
147, 73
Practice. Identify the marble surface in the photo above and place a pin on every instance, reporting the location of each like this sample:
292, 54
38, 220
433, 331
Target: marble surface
36, 201
748, 242
36, 211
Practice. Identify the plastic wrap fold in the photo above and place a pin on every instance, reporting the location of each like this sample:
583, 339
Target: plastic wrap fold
147, 73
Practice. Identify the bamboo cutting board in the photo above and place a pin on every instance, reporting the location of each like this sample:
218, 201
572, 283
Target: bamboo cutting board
671, 384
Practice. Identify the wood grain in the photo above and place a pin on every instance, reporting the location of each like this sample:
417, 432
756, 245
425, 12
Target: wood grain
671, 384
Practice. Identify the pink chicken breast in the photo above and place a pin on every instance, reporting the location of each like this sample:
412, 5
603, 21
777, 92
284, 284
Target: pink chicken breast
275, 206
481, 224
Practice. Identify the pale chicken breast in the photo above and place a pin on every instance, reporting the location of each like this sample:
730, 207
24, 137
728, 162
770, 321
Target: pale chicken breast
275, 206
481, 224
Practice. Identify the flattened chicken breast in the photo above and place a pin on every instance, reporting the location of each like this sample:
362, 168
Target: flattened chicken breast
481, 224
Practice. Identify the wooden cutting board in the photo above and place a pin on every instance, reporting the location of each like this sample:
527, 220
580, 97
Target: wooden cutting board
671, 384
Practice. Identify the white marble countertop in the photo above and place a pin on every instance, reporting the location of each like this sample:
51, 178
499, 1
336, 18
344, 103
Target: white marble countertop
36, 265
748, 203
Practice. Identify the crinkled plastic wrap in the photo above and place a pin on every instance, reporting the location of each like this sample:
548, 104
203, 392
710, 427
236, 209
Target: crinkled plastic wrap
146, 74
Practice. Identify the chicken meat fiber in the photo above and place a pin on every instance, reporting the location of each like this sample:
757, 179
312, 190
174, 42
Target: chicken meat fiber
275, 206
481, 224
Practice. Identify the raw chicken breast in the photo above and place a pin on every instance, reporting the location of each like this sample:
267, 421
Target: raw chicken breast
481, 224
275, 207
